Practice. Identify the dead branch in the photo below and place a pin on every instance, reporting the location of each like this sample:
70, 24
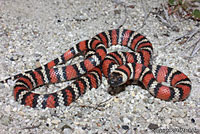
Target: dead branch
187, 35
196, 48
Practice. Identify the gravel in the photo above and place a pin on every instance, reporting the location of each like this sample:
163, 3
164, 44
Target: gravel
35, 32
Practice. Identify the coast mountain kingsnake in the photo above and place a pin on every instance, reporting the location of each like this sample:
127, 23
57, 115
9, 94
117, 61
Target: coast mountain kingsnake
118, 67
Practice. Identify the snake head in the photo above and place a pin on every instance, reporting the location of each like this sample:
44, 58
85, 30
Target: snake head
115, 79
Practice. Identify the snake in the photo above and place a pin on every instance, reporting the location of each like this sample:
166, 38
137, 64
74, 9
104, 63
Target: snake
118, 67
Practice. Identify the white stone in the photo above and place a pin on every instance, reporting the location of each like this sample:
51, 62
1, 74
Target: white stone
55, 121
67, 131
181, 121
126, 120
168, 121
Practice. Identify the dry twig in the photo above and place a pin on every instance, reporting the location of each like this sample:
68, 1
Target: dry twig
165, 19
196, 48
187, 35
98, 106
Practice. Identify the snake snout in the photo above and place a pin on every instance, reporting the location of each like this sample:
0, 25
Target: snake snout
115, 79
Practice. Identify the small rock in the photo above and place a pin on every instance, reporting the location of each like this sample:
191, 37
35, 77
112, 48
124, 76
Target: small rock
153, 126
55, 121
133, 94
14, 109
181, 121
58, 20
132, 101
21, 113
193, 120
126, 120
67, 131
150, 100
63, 126
116, 100
70, 34
125, 127
14, 58
27, 120
168, 121
80, 18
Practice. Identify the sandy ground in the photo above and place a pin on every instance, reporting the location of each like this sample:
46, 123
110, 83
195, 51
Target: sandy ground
35, 32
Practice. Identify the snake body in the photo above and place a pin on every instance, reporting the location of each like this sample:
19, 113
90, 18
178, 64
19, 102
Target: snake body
118, 67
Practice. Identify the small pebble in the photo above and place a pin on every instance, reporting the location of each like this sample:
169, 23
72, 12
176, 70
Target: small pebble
134, 128
67, 131
55, 121
153, 126
14, 58
21, 113
133, 94
125, 127
193, 120
168, 121
126, 120
116, 100
181, 121
14, 109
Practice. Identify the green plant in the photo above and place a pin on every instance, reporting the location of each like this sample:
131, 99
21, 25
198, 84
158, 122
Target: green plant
185, 8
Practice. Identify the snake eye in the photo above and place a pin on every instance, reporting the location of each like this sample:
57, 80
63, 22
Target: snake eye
119, 79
